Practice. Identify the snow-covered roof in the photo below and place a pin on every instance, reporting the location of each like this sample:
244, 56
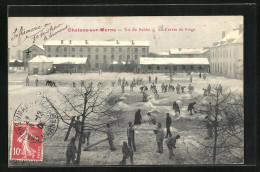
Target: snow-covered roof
97, 43
68, 60
116, 62
173, 61
188, 51
231, 37
39, 46
40, 59
163, 53
13, 60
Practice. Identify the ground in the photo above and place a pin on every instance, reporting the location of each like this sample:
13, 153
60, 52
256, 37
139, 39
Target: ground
185, 125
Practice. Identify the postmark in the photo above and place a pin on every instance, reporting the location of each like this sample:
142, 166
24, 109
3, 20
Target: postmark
26, 141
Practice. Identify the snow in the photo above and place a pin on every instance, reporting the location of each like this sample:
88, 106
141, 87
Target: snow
97, 43
173, 61
188, 51
40, 59
68, 60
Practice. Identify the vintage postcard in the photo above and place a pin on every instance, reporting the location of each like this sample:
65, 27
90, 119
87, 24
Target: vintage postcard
101, 91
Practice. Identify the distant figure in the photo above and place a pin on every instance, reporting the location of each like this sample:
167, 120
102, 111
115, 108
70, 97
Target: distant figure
113, 83
182, 89
110, 137
159, 138
119, 81
200, 75
190, 88
155, 91
90, 86
71, 151
165, 88
220, 89
162, 87
123, 87
191, 107
152, 119
36, 82
82, 83
27, 81
176, 107
205, 92
190, 78
168, 125
126, 83
131, 135
138, 117
144, 97
171, 144
73, 84
171, 78
209, 89
77, 125
127, 152
178, 89
204, 76
156, 79
231, 121
150, 79
209, 126
132, 85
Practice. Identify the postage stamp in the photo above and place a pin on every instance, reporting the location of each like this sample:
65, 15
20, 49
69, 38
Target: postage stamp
26, 141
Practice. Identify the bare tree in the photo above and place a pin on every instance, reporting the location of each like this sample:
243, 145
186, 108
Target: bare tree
92, 106
225, 114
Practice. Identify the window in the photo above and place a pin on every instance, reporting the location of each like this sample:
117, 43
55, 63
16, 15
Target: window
128, 57
158, 67
57, 55
49, 55
128, 49
49, 49
65, 55
73, 49
104, 57
65, 49
143, 50
143, 55
200, 67
120, 57
97, 50
80, 49
81, 55
191, 67
73, 55
96, 65
96, 57
89, 49
166, 67
57, 49
149, 67
104, 49
120, 49
174, 68
112, 50
112, 57
183, 67
136, 57
89, 57
136, 50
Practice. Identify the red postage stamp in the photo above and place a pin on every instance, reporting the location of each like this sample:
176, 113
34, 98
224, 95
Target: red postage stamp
26, 141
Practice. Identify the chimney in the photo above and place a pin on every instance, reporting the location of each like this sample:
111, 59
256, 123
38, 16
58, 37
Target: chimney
179, 49
61, 41
70, 41
223, 34
133, 42
86, 41
240, 28
117, 42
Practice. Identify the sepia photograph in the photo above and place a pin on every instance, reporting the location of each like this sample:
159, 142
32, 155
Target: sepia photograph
125, 91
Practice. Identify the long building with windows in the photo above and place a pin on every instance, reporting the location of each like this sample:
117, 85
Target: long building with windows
100, 54
226, 55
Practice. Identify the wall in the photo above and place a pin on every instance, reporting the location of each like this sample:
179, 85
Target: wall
35, 50
174, 68
42, 67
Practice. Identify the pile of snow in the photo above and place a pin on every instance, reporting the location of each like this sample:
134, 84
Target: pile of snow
122, 106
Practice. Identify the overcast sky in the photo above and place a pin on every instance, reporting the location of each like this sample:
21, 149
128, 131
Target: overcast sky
207, 30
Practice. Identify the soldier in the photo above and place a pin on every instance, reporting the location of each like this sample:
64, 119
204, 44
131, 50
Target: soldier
150, 79
190, 89
123, 87
138, 117
176, 107
77, 125
132, 86
27, 81
36, 82
82, 83
191, 107
190, 78
155, 91
200, 75
156, 79
113, 83
144, 97
209, 89
127, 152
209, 126
159, 138
152, 119
165, 88
73, 84
168, 125
131, 135
171, 142
119, 81
205, 92
162, 87
182, 89
171, 78
178, 89
71, 151
110, 137
220, 89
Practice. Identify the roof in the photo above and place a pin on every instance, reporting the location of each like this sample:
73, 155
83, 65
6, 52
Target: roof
188, 51
68, 60
173, 61
116, 62
13, 60
39, 46
97, 43
231, 37
163, 53
40, 59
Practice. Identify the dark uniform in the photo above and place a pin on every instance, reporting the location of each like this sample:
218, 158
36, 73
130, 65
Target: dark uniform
127, 152
168, 125
138, 117
71, 151
171, 142
131, 136
191, 107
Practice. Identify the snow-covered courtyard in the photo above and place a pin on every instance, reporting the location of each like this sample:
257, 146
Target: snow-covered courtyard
190, 128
